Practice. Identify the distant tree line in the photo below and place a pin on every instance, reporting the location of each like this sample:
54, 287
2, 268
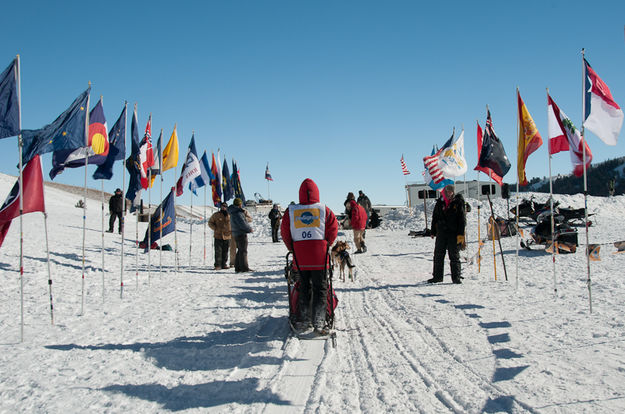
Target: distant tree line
598, 178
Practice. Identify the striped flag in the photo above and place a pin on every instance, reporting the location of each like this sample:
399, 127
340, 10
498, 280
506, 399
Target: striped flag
432, 165
404, 168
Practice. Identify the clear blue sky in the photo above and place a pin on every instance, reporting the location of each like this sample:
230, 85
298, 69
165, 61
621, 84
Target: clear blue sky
331, 90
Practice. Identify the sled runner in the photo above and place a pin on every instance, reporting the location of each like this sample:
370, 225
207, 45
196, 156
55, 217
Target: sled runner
291, 274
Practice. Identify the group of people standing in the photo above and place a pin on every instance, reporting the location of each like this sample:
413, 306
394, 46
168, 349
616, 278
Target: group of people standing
231, 225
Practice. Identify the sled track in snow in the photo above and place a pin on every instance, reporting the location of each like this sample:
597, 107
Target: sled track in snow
432, 378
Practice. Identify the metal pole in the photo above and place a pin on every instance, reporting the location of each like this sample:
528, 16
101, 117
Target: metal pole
160, 230
121, 273
149, 246
21, 192
204, 261
553, 245
191, 229
175, 228
84, 209
102, 192
588, 281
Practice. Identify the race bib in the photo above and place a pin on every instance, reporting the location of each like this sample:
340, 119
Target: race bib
308, 222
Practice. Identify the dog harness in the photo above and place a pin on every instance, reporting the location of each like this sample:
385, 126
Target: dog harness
308, 221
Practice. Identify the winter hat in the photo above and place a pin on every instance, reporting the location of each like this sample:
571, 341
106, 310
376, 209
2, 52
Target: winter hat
237, 202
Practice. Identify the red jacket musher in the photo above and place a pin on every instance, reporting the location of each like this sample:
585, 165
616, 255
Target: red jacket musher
309, 228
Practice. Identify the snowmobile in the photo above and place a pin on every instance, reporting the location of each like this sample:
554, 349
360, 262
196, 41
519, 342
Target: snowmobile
292, 276
531, 209
574, 216
565, 236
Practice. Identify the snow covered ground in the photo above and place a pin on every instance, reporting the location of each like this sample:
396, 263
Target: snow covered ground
200, 340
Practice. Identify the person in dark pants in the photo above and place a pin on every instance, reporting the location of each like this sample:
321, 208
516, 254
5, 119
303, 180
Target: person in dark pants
448, 223
275, 216
219, 222
116, 208
240, 228
308, 229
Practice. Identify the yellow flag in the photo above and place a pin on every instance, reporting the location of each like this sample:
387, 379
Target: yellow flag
529, 139
170, 153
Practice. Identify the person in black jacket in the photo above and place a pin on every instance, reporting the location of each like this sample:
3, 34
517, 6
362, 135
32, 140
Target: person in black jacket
448, 223
240, 228
275, 216
116, 208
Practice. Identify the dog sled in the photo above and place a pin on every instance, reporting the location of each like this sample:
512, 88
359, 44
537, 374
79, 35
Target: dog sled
292, 276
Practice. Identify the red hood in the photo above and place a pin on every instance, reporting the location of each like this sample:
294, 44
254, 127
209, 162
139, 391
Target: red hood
308, 192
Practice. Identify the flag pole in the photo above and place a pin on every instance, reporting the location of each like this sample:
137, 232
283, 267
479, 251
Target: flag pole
160, 163
137, 231
204, 218
479, 207
21, 186
45, 224
121, 273
588, 281
553, 246
191, 229
84, 208
149, 245
518, 130
102, 232
175, 227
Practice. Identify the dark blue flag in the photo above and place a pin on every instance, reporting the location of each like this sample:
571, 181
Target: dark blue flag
226, 182
493, 155
236, 182
96, 150
68, 131
133, 165
163, 220
9, 104
117, 148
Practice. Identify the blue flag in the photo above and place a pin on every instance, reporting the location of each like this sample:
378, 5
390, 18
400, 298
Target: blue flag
68, 131
236, 182
163, 220
117, 148
9, 104
227, 182
205, 172
96, 150
133, 165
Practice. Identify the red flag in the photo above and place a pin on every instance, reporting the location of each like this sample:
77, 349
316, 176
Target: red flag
33, 196
146, 154
485, 170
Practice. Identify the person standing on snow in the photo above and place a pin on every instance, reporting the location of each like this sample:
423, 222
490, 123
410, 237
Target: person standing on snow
364, 201
116, 208
275, 216
358, 220
219, 222
240, 227
448, 223
308, 230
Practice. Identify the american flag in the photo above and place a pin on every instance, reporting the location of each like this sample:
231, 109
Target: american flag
404, 168
431, 164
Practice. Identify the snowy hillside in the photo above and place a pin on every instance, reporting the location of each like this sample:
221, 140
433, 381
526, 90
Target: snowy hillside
200, 340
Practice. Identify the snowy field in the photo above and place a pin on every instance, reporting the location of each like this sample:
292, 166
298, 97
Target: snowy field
199, 340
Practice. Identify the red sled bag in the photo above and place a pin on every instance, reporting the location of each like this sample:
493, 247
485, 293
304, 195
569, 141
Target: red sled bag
293, 281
